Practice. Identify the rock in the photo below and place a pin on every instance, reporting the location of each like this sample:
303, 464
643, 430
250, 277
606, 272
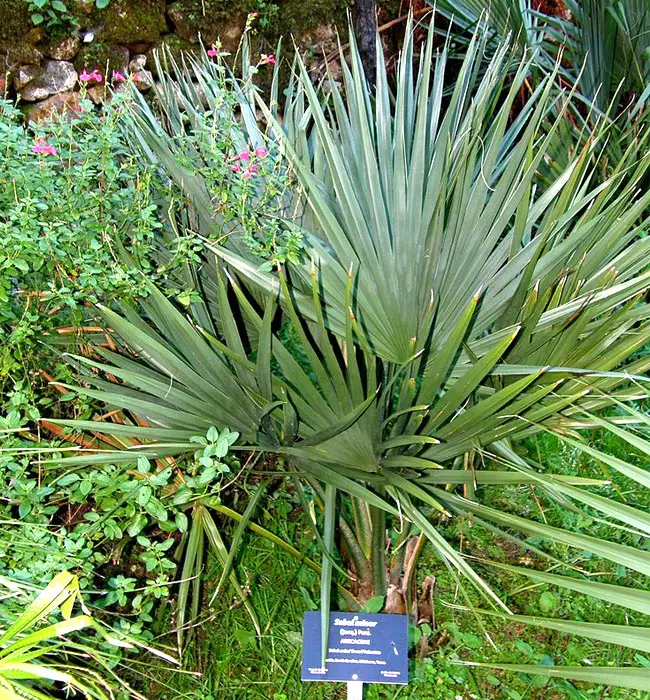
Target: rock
137, 63
19, 52
97, 93
323, 37
140, 47
184, 22
127, 22
324, 40
24, 75
55, 77
63, 103
195, 20
103, 58
229, 34
64, 49
89, 34
143, 80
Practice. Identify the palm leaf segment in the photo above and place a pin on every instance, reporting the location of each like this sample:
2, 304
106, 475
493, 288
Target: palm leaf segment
604, 44
449, 307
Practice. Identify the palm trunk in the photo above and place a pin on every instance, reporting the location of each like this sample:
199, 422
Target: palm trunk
364, 17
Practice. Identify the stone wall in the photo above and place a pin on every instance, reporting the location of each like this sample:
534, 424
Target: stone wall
41, 64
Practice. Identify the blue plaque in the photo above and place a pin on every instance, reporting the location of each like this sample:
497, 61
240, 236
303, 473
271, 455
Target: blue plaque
361, 647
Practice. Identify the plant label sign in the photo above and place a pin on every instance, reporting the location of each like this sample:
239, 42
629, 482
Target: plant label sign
362, 648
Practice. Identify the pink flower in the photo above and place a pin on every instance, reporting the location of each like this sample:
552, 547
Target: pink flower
270, 58
86, 77
118, 77
244, 155
235, 168
213, 51
253, 169
136, 77
42, 147
248, 174
261, 152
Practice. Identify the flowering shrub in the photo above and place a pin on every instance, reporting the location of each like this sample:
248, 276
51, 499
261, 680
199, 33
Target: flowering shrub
73, 194
253, 194
68, 190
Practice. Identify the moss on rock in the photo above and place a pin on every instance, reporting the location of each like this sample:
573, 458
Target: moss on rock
144, 21
210, 19
213, 18
16, 53
127, 22
206, 14
102, 57
15, 19
299, 17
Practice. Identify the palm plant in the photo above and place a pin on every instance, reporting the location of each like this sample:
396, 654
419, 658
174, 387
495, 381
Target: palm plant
502, 19
606, 48
446, 307
600, 47
604, 44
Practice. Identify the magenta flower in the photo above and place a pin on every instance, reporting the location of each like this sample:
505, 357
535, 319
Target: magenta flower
45, 148
266, 59
136, 77
261, 152
250, 171
235, 168
86, 77
118, 77
213, 51
244, 155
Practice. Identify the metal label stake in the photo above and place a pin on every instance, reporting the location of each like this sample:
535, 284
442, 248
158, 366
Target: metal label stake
355, 690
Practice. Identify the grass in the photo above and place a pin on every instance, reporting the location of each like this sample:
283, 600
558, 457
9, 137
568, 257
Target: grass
233, 664
226, 652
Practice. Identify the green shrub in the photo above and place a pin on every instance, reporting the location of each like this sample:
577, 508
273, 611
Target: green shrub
79, 520
80, 226
69, 190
